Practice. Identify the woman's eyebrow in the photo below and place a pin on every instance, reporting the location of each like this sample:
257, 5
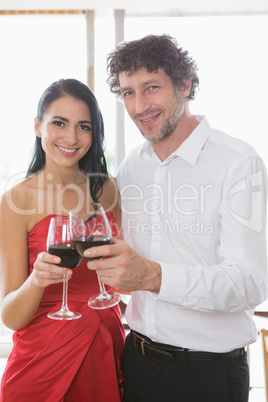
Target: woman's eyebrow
60, 117
67, 120
85, 122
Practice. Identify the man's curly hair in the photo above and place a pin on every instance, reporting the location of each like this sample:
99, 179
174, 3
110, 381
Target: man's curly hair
152, 52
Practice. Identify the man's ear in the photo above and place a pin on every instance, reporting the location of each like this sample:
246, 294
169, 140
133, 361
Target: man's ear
186, 89
37, 127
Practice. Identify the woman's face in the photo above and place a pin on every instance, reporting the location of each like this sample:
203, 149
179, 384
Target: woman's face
65, 131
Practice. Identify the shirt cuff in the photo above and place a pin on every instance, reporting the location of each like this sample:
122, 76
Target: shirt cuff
172, 284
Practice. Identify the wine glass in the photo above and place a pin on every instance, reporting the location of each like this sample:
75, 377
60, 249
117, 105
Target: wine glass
59, 242
91, 230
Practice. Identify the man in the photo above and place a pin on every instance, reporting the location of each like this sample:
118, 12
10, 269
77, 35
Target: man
194, 256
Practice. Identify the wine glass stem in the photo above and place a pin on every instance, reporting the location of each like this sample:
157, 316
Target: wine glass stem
103, 293
65, 293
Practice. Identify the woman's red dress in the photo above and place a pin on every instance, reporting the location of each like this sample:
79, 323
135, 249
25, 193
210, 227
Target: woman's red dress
78, 360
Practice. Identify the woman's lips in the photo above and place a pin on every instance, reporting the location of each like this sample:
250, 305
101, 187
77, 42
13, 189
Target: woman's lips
67, 151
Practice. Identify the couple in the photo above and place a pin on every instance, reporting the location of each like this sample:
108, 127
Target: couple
189, 253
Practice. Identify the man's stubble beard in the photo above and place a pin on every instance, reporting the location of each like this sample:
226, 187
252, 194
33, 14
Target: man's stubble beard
170, 124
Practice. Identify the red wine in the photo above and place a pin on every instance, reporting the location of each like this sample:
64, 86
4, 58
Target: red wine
83, 242
68, 254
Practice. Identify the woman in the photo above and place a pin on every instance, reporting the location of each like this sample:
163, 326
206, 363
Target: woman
78, 360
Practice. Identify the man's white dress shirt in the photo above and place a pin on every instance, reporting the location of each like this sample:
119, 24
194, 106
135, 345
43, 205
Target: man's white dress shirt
201, 214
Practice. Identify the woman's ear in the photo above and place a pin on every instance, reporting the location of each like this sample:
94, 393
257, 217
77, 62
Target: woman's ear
37, 127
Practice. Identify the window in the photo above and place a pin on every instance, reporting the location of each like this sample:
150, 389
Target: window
231, 54
37, 50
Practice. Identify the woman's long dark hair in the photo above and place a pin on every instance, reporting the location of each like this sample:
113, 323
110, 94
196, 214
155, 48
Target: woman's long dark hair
93, 162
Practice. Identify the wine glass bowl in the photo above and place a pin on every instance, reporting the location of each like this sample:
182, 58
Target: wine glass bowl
84, 242
70, 258
92, 230
59, 243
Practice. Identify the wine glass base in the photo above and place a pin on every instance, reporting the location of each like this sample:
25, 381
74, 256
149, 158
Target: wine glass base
64, 315
100, 302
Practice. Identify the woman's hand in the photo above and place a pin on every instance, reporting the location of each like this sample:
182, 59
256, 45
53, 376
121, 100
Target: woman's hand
46, 271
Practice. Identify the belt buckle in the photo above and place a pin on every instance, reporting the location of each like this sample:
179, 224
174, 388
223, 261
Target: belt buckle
142, 341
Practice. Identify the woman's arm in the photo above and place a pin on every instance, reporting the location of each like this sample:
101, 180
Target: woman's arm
20, 293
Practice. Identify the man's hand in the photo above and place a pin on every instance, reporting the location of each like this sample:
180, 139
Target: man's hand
124, 269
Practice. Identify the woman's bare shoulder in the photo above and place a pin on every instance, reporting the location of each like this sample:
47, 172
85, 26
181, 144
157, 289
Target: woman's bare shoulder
18, 199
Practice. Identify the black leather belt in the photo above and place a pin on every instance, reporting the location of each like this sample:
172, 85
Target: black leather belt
170, 353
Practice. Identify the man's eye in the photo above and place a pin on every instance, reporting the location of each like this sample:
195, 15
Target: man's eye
153, 87
126, 94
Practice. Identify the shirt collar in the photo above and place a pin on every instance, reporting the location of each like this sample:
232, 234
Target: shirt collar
190, 149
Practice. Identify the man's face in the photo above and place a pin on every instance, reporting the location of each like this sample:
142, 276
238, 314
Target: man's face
152, 102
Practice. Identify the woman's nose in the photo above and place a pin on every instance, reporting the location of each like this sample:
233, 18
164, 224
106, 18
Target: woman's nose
71, 136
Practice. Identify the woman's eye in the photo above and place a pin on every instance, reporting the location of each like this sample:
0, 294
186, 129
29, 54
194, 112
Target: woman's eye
85, 127
58, 123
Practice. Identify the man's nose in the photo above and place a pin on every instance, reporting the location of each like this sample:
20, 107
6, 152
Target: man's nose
141, 103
